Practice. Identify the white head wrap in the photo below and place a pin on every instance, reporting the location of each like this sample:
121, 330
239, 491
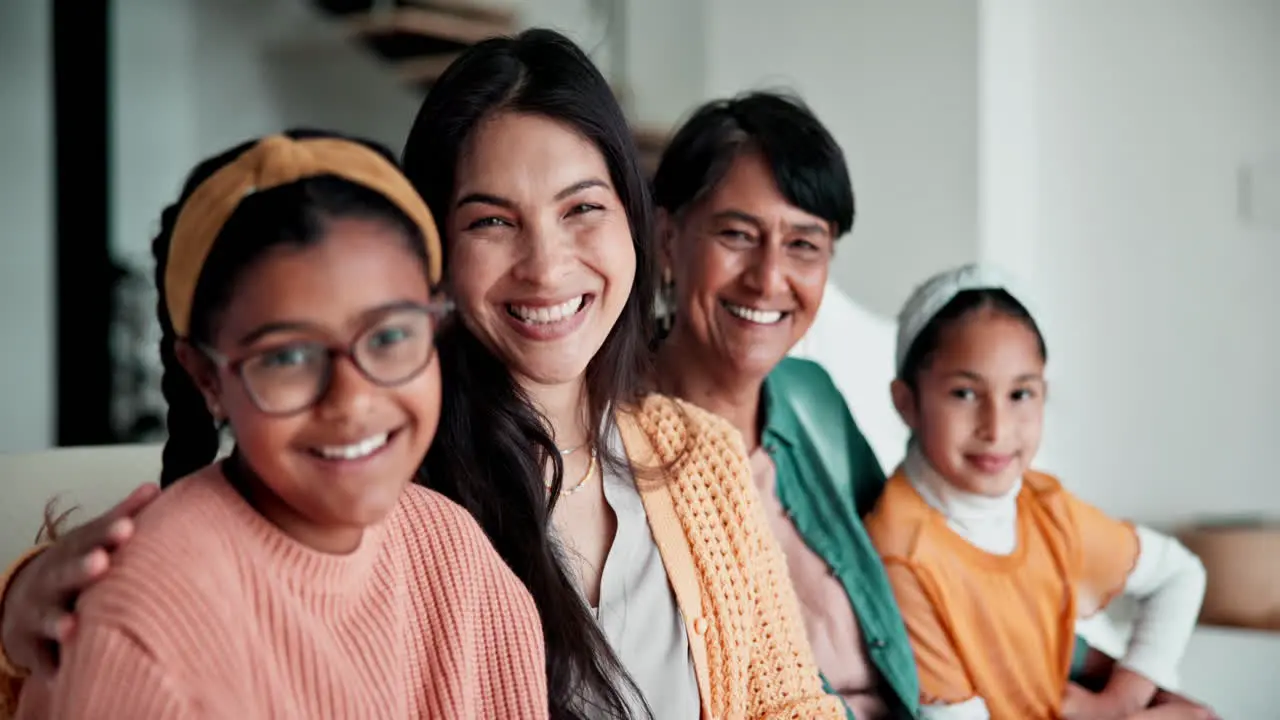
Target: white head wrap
934, 294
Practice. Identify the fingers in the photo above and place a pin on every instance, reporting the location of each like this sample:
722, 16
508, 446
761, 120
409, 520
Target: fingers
72, 570
111, 529
60, 573
57, 626
137, 500
115, 526
119, 519
46, 660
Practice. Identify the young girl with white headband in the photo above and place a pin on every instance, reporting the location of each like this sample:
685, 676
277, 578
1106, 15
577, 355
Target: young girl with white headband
992, 563
304, 576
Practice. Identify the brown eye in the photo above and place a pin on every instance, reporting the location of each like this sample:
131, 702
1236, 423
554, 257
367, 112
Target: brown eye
487, 222
736, 237
287, 357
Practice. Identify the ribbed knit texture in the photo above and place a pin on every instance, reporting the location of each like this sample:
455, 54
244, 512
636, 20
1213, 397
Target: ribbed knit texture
212, 612
758, 663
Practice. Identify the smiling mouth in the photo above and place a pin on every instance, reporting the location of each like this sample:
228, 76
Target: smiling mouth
759, 317
990, 462
547, 314
354, 451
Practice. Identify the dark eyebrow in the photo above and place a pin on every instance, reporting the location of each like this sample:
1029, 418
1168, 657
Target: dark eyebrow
580, 186
272, 328
297, 326
487, 199
746, 217
811, 229
740, 216
970, 375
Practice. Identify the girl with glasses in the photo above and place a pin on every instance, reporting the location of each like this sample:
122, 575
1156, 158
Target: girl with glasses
305, 575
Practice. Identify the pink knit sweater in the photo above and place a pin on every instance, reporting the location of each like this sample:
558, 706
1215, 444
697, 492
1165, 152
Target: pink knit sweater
212, 612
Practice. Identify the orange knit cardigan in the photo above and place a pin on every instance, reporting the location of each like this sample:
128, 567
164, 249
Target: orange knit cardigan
751, 656
746, 635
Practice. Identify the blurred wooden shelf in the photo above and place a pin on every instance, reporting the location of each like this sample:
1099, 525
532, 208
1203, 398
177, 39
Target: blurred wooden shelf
405, 33
1241, 557
492, 13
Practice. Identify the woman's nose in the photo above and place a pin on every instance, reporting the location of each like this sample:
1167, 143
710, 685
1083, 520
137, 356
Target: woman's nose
546, 254
767, 272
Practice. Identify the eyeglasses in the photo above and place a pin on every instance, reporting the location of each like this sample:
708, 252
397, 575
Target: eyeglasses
289, 378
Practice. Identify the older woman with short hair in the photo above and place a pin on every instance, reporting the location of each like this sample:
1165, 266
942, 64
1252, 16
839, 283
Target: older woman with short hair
753, 195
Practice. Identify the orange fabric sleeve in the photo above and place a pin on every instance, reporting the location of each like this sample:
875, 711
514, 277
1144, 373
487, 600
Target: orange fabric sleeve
944, 680
1108, 552
12, 678
7, 666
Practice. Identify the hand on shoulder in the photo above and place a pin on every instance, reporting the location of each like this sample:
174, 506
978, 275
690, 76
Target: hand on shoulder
34, 618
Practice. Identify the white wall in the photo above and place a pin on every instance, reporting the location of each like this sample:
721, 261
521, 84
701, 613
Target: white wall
1159, 296
27, 323
1112, 136
897, 84
667, 59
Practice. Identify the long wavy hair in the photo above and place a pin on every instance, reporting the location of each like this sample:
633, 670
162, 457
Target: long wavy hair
493, 447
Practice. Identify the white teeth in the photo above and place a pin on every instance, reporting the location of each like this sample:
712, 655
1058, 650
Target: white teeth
760, 317
355, 451
546, 315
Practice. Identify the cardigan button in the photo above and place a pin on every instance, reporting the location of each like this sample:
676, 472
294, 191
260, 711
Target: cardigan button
700, 626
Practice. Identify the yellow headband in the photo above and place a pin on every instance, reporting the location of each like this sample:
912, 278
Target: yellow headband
274, 161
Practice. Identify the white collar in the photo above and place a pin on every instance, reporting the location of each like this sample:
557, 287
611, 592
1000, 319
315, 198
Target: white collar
987, 522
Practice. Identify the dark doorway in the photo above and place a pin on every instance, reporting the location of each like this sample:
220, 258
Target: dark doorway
84, 272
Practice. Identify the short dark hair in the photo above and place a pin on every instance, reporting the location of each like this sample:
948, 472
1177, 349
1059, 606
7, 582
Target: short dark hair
806, 161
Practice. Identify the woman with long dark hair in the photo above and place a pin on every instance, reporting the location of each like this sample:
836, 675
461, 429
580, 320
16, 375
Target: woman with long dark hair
630, 517
650, 524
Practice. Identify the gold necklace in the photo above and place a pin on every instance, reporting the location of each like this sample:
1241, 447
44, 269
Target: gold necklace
566, 492
570, 451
